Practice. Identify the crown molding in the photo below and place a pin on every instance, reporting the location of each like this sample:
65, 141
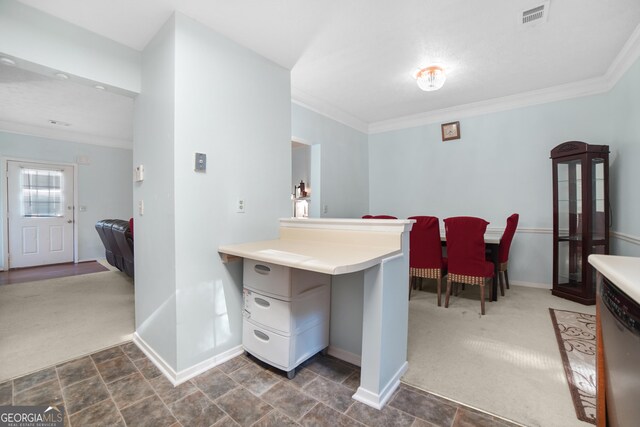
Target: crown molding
64, 135
325, 109
536, 97
627, 56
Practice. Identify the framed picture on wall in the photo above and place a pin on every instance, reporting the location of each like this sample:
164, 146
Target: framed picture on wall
450, 131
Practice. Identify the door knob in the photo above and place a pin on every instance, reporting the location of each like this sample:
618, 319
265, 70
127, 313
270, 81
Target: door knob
69, 221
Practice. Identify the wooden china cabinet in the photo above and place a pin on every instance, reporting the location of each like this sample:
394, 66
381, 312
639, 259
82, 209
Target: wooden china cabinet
580, 217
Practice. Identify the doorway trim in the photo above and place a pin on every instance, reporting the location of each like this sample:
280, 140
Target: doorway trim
315, 177
5, 206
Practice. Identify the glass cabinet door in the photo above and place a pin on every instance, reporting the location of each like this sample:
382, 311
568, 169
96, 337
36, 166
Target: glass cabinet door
580, 217
569, 224
598, 208
598, 211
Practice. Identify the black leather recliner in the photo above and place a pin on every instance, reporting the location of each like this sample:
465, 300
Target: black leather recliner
124, 240
118, 243
100, 228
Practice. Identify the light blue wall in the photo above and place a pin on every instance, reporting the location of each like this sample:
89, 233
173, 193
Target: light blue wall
344, 168
200, 95
347, 299
500, 166
153, 147
104, 185
624, 171
243, 123
344, 187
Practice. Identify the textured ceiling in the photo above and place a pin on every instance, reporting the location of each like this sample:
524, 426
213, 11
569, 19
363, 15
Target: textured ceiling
357, 56
30, 100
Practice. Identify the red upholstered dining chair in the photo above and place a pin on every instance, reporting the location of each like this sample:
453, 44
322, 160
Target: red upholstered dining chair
425, 252
503, 250
367, 216
383, 217
466, 254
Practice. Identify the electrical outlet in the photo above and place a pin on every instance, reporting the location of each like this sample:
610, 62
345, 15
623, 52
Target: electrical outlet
325, 209
240, 206
141, 207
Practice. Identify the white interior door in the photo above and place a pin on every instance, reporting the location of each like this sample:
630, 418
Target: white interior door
40, 204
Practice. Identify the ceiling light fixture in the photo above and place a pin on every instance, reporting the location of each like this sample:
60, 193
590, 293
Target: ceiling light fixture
7, 61
430, 78
99, 87
62, 76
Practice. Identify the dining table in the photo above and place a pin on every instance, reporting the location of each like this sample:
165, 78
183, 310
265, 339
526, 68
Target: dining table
492, 243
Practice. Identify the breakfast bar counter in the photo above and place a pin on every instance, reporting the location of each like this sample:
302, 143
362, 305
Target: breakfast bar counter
380, 248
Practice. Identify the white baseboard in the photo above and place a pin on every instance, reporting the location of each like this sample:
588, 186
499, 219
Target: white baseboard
530, 284
205, 365
347, 356
378, 400
155, 358
177, 378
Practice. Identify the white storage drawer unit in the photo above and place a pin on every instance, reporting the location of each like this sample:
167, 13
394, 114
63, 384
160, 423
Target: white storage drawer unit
279, 281
288, 317
286, 313
284, 352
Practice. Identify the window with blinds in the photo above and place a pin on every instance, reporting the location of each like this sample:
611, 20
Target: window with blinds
42, 193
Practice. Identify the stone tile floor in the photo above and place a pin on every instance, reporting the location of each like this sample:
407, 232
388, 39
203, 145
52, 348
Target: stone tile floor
120, 386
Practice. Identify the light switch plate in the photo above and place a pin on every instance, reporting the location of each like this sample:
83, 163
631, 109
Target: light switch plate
139, 175
201, 162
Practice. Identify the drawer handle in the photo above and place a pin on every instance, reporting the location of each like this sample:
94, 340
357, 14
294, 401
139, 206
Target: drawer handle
262, 269
261, 335
262, 302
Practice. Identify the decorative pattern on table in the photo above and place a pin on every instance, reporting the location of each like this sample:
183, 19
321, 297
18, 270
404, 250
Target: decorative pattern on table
576, 335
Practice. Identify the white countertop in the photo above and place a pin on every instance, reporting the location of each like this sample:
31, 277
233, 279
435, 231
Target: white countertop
622, 271
322, 257
331, 246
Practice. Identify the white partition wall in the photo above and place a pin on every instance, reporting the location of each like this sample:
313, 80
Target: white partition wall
153, 147
200, 95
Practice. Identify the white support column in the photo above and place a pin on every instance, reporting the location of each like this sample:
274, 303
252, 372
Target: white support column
385, 328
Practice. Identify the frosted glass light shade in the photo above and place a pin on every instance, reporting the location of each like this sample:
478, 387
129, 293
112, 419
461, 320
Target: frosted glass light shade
430, 78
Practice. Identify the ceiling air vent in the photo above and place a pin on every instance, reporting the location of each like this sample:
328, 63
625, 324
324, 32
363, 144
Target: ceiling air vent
536, 14
59, 123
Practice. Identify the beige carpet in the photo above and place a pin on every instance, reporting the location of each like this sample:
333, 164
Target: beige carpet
50, 321
506, 362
